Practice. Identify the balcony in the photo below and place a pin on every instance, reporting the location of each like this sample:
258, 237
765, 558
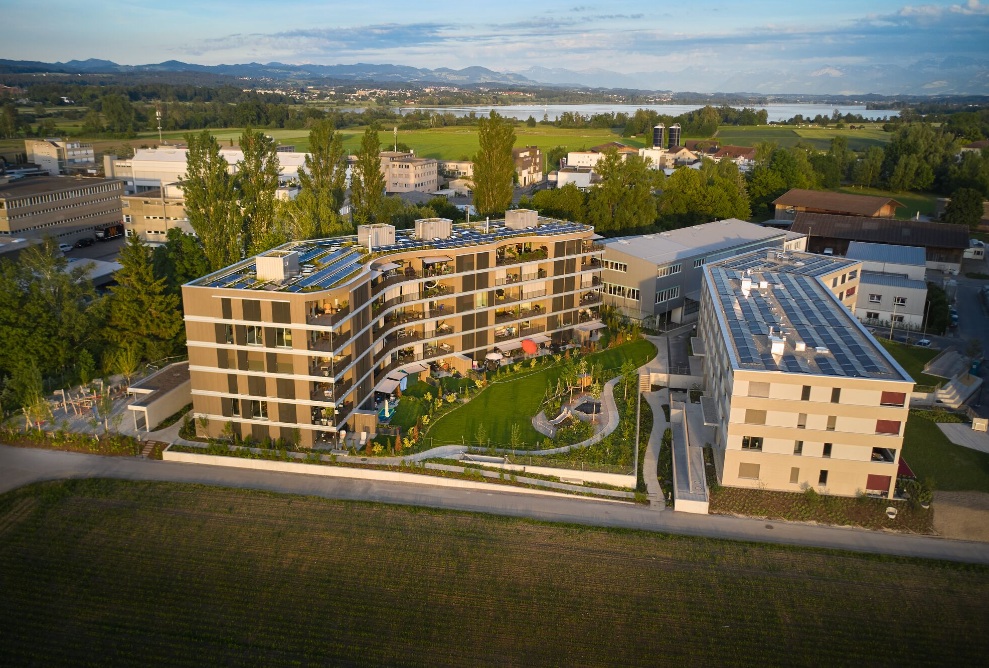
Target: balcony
398, 340
329, 316
590, 298
886, 455
330, 391
437, 291
518, 258
400, 276
509, 279
331, 368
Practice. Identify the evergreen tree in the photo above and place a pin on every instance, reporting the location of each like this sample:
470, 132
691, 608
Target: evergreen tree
143, 315
181, 259
211, 201
367, 183
315, 212
257, 181
494, 167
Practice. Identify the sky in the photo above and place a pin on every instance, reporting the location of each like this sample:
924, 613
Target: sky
624, 36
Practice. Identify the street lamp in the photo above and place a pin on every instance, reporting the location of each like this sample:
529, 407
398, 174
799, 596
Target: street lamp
892, 319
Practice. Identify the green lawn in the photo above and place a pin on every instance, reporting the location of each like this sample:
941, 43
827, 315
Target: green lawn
913, 359
931, 455
820, 138
516, 401
107, 572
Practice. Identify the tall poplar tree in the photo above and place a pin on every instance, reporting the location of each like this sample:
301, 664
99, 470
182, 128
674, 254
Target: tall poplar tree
211, 201
494, 167
257, 181
367, 184
143, 315
323, 179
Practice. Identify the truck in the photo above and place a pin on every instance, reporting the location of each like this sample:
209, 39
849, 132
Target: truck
110, 232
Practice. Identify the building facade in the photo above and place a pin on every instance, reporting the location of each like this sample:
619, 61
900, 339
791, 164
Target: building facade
151, 214
528, 165
294, 343
799, 393
58, 156
404, 173
66, 209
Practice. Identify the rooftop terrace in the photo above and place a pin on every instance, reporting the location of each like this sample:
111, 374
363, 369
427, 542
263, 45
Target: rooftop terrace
327, 263
778, 319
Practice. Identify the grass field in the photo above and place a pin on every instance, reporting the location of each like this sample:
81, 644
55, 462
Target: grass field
129, 573
820, 138
925, 203
931, 455
912, 359
516, 401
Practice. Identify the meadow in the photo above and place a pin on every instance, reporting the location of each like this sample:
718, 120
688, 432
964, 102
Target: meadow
142, 573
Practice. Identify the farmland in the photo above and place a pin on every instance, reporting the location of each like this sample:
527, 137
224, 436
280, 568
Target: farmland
819, 138
129, 573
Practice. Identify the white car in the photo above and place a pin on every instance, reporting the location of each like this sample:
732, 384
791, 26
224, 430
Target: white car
924, 343
65, 248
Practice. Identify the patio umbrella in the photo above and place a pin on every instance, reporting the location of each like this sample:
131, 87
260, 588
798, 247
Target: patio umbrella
529, 346
493, 356
387, 414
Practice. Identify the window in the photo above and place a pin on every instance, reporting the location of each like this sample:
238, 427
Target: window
753, 416
897, 318
872, 315
283, 337
843, 277
255, 335
255, 364
698, 262
822, 479
899, 301
798, 448
832, 422
805, 393
621, 291
875, 299
759, 390
615, 266
827, 450
668, 270
853, 274
834, 283
888, 427
835, 395
752, 443
794, 476
748, 471
893, 399
841, 295
850, 291
259, 410
668, 294
228, 332
235, 407
801, 421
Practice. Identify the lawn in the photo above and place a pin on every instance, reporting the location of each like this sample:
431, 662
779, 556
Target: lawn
931, 455
516, 400
144, 573
913, 359
819, 138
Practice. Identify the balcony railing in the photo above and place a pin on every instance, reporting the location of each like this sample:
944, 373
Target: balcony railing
530, 256
331, 368
330, 317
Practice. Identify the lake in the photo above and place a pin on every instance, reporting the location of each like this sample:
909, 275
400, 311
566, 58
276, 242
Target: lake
777, 112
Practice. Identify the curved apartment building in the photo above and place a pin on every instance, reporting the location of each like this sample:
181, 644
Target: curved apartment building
292, 343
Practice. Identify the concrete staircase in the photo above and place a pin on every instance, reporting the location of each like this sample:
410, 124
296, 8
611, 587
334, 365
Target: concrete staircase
958, 390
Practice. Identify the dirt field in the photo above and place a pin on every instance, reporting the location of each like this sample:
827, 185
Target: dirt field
962, 515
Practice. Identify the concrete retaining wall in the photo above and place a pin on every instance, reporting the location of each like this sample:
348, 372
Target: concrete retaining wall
614, 479
346, 472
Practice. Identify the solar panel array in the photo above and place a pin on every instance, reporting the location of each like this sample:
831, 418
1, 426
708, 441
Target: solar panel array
797, 307
339, 261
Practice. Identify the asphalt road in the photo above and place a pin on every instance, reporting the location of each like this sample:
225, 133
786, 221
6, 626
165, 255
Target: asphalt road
20, 466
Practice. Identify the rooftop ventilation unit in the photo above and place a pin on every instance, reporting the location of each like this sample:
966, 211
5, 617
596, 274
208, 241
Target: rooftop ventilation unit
776, 345
800, 346
821, 350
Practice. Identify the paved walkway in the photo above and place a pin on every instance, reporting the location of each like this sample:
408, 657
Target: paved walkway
20, 466
654, 490
963, 435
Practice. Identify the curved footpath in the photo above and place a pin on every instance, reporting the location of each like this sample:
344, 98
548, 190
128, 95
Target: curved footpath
21, 466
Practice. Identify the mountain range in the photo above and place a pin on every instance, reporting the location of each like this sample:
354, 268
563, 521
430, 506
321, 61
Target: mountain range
949, 76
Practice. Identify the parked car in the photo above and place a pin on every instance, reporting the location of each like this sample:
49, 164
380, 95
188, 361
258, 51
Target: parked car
65, 248
924, 343
84, 242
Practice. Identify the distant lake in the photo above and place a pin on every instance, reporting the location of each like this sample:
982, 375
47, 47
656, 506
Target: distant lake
777, 112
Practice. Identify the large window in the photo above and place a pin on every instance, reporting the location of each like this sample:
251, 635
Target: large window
668, 294
622, 291
283, 337
875, 299
615, 266
752, 443
668, 270
255, 335
259, 410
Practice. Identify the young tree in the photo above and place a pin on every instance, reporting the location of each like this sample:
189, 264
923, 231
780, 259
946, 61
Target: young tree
316, 211
211, 201
367, 183
965, 208
494, 167
144, 316
257, 181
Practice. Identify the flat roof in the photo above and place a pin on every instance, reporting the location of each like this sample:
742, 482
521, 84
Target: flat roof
886, 253
798, 309
335, 259
231, 155
882, 230
685, 242
160, 383
794, 262
36, 185
890, 280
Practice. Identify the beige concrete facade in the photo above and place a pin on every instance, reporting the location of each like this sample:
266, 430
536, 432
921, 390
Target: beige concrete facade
300, 358
404, 173
58, 156
64, 208
791, 416
152, 213
528, 165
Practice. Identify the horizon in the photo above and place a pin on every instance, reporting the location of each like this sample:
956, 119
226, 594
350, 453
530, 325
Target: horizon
767, 47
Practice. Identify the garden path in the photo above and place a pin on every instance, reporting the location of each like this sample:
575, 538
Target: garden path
654, 490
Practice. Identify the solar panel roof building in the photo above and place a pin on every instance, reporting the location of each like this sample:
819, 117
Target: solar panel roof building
805, 396
293, 344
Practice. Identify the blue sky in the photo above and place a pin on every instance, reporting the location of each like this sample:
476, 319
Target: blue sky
623, 36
